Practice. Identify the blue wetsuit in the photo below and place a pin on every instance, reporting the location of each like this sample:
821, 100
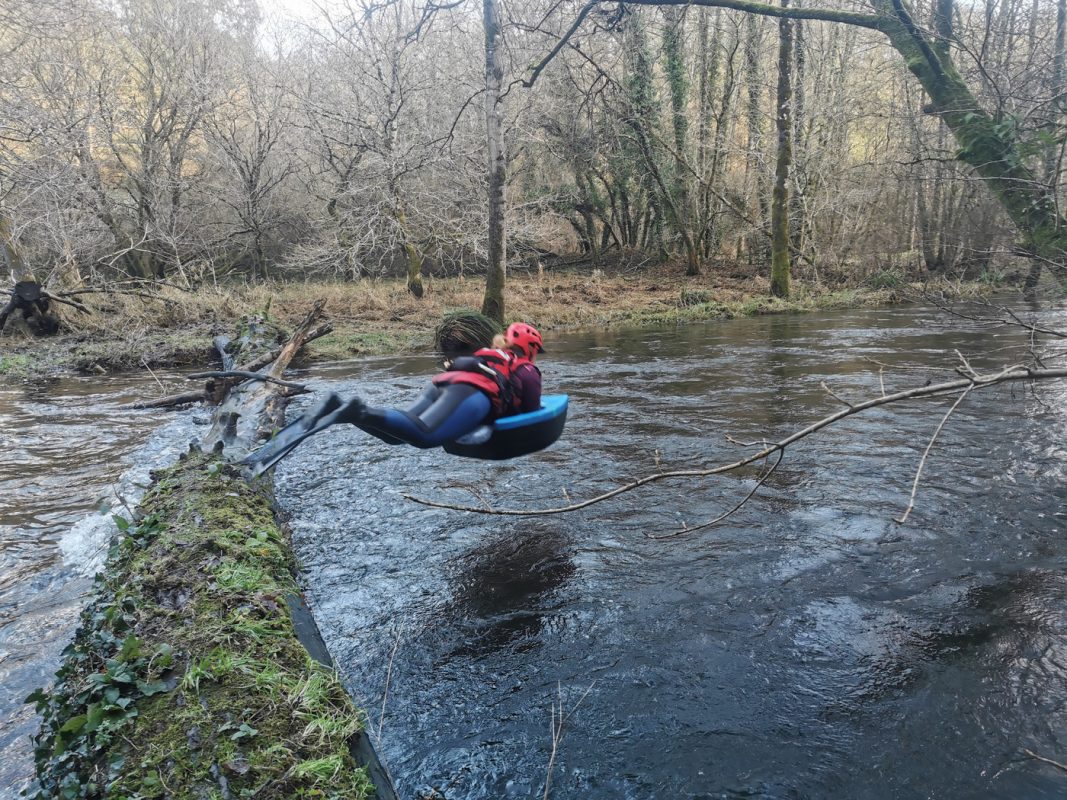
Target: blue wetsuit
441, 414
470, 393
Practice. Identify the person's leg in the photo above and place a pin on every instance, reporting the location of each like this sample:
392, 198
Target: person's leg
302, 424
11, 306
457, 410
423, 402
453, 411
430, 394
354, 413
285, 441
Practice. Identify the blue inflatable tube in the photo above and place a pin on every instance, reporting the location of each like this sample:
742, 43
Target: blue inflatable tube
517, 435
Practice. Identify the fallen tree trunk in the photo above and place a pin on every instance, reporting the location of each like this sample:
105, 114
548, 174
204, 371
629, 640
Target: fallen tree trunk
252, 409
190, 675
219, 385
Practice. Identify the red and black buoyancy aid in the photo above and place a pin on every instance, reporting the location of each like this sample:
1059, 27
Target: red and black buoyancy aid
494, 374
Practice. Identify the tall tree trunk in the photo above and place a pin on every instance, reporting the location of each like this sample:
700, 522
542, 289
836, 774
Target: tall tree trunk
780, 253
754, 173
1058, 82
259, 255
493, 302
797, 205
643, 113
723, 123
674, 58
708, 64
674, 64
1058, 87
411, 252
708, 71
589, 208
924, 222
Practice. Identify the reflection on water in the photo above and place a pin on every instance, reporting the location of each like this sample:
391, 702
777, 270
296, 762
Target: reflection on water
809, 647
499, 588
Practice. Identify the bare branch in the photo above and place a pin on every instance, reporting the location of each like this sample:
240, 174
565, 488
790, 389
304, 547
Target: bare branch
967, 370
736, 508
389, 675
535, 73
1010, 374
1010, 318
1032, 754
73, 303
558, 720
872, 21
834, 395
922, 461
251, 376
183, 399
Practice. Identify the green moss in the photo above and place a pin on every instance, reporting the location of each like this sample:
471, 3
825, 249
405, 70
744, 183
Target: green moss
211, 693
887, 279
15, 365
241, 576
994, 278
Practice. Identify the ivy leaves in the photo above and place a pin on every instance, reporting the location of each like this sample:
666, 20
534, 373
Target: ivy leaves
94, 701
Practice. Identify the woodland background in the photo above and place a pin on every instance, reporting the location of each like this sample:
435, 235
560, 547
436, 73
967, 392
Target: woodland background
193, 140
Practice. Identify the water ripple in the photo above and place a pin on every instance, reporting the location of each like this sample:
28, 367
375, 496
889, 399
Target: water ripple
810, 647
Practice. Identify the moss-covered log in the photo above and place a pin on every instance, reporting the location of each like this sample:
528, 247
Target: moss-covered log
493, 301
186, 678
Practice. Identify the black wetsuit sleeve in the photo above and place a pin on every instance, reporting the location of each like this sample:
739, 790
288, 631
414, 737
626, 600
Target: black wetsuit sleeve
466, 364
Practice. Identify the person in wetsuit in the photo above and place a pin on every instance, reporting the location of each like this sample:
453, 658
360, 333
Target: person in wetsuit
474, 390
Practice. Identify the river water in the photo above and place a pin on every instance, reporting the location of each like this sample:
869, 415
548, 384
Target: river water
807, 647
69, 459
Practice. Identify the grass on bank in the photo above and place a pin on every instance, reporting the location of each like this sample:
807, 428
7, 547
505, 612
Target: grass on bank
186, 678
376, 317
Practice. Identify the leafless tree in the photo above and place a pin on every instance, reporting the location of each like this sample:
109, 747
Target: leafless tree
147, 137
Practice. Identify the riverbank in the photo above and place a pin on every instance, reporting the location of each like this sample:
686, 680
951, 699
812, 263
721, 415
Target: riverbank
187, 677
378, 317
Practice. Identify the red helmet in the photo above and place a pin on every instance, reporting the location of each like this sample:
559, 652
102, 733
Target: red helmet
525, 337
